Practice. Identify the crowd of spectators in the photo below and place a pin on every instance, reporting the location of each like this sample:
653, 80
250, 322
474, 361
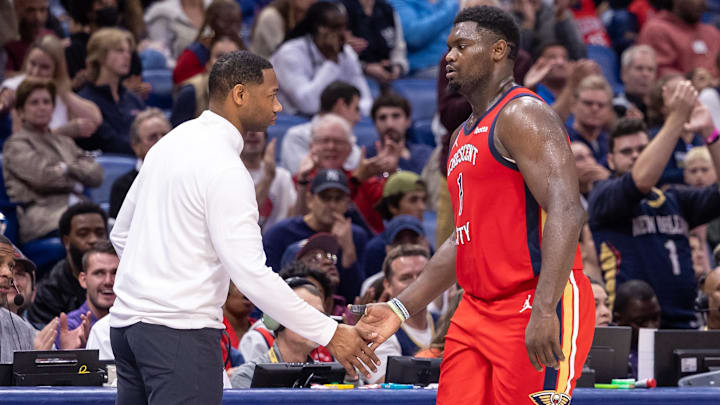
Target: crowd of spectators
346, 220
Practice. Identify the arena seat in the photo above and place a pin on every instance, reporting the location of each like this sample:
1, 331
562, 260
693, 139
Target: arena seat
365, 133
161, 95
422, 94
9, 211
114, 167
422, 132
608, 61
282, 124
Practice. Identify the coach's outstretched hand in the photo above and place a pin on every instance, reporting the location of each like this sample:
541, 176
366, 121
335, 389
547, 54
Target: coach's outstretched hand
378, 323
352, 351
542, 339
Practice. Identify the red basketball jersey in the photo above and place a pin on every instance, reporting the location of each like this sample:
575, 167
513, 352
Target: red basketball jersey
498, 222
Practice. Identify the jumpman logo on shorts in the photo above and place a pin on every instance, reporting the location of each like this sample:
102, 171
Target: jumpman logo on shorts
527, 305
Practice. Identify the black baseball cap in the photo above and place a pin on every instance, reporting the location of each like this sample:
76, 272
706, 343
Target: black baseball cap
326, 179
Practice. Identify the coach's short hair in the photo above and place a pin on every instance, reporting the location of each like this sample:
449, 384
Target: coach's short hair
495, 20
239, 67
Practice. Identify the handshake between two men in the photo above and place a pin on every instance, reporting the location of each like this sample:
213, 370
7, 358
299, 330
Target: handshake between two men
354, 346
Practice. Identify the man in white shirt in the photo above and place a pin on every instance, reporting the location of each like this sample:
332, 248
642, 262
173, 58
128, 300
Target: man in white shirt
188, 225
402, 266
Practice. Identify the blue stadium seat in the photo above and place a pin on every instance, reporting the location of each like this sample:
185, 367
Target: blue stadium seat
422, 94
152, 59
374, 87
430, 226
114, 167
9, 210
162, 88
365, 132
282, 124
421, 132
45, 253
608, 61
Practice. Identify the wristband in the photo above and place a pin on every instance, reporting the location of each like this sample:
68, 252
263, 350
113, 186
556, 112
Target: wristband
397, 311
397, 303
713, 138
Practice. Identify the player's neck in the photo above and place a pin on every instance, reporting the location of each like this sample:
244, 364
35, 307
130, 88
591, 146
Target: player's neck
418, 321
485, 96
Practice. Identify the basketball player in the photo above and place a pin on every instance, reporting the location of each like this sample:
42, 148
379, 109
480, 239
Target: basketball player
524, 327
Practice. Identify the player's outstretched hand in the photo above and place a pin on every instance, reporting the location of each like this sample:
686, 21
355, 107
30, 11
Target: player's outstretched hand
378, 323
352, 351
542, 339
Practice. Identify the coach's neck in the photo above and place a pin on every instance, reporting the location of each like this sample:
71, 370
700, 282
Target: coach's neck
228, 109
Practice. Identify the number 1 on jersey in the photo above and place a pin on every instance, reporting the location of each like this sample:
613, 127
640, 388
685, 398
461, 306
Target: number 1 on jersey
460, 193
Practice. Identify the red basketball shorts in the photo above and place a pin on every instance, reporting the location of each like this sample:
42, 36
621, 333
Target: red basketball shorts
486, 361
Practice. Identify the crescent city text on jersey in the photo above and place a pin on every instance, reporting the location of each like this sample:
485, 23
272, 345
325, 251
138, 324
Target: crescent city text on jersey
465, 153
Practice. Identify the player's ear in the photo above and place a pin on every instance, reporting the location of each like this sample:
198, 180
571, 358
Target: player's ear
500, 50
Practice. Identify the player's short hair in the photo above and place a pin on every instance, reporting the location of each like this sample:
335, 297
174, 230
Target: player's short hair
632, 290
337, 90
231, 69
625, 126
402, 251
495, 20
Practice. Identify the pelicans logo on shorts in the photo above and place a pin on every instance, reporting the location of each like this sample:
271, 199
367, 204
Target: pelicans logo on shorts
550, 398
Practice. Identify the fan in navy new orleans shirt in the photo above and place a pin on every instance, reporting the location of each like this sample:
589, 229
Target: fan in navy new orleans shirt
645, 236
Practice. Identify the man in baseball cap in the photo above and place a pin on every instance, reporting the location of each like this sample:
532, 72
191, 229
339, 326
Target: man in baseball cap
23, 277
328, 199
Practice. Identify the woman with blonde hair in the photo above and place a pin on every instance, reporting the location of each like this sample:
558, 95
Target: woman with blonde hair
74, 116
108, 61
44, 174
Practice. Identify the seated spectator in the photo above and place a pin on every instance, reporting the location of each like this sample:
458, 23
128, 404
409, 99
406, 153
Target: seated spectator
647, 227
92, 16
147, 128
34, 21
437, 344
288, 346
175, 23
274, 22
658, 111
328, 199
81, 227
638, 73
193, 96
592, 111
637, 306
556, 79
15, 333
23, 281
391, 115
313, 56
108, 61
711, 288
274, 188
236, 317
97, 277
543, 23
588, 170
681, 41
404, 194
699, 172
699, 253
401, 230
73, 116
603, 316
330, 146
338, 98
425, 26
378, 36
223, 18
317, 263
43, 173
401, 267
